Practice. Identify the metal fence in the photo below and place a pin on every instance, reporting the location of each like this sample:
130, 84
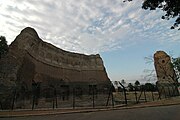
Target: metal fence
94, 98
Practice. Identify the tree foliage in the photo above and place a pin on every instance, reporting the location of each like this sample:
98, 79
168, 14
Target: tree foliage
123, 82
150, 87
137, 83
3, 46
176, 66
170, 7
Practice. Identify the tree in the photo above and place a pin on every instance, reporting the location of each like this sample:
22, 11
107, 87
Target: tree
116, 83
149, 87
150, 74
3, 46
176, 66
137, 83
170, 7
123, 82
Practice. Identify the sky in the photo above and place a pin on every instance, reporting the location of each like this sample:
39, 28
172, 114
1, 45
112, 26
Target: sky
122, 33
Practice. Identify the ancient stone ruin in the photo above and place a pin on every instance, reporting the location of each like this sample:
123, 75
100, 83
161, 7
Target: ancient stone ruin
35, 66
167, 80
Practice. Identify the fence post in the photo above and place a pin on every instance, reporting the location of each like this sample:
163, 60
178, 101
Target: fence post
93, 94
152, 95
125, 96
54, 97
55, 92
144, 94
159, 93
54, 89
110, 91
53, 102
14, 97
74, 97
124, 90
33, 102
1, 105
112, 98
169, 91
139, 96
177, 93
135, 94
164, 92
173, 90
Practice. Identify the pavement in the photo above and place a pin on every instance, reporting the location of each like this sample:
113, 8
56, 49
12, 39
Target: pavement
41, 112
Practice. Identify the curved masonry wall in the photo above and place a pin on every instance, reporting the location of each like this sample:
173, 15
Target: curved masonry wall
54, 56
32, 61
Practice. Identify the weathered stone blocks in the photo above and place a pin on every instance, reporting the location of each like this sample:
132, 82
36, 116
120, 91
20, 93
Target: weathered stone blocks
31, 61
167, 80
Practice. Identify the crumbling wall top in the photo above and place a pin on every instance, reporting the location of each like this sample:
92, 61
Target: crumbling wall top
31, 31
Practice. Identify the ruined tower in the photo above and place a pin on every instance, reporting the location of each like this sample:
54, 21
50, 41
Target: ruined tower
167, 80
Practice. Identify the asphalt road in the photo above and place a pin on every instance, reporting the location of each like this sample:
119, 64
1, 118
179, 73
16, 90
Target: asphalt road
150, 113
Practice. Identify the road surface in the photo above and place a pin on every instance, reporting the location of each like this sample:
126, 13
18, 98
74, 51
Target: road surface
149, 113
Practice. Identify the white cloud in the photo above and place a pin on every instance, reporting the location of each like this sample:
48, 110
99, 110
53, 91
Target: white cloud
89, 26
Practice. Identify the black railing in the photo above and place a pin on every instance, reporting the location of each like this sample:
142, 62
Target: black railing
76, 98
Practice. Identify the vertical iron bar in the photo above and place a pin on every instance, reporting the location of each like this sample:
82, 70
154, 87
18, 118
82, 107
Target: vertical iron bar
159, 93
14, 97
112, 97
53, 102
152, 95
73, 98
53, 96
144, 95
139, 97
135, 95
1, 105
169, 91
173, 90
93, 94
56, 98
124, 90
108, 96
125, 97
164, 92
33, 102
